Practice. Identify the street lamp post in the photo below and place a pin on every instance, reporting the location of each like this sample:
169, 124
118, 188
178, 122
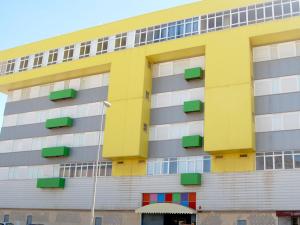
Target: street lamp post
106, 104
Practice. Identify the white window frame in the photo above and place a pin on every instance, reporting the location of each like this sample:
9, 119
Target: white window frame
68, 53
24, 63
38, 60
85, 49
53, 57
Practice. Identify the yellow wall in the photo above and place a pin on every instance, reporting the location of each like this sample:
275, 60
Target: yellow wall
130, 78
229, 128
228, 94
129, 167
233, 162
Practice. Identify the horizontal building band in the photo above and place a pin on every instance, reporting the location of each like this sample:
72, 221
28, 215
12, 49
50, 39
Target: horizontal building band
176, 67
78, 84
86, 124
278, 122
277, 85
124, 193
43, 103
288, 102
174, 83
76, 111
37, 143
171, 148
277, 68
175, 130
278, 141
173, 114
79, 154
167, 99
276, 51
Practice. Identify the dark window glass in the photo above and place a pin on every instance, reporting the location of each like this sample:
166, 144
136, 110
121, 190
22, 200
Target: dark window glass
211, 23
278, 162
277, 11
260, 163
235, 18
173, 167
269, 12
98, 221
29, 220
251, 15
219, 21
243, 17
288, 162
260, 13
206, 166
287, 8
297, 161
163, 33
241, 222
195, 26
203, 25
6, 218
295, 7
269, 163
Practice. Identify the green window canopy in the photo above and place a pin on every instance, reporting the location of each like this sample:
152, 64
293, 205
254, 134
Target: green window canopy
190, 178
56, 182
193, 141
55, 151
193, 106
63, 94
193, 73
59, 122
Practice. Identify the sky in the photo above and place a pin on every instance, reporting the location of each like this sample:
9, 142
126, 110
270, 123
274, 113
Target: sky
23, 22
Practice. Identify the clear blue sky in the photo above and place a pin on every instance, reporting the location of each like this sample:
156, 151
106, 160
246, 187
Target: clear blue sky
27, 21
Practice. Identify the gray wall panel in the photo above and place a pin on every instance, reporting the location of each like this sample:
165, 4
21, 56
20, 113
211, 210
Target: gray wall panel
174, 83
258, 190
278, 141
171, 148
27, 158
80, 125
277, 68
43, 103
173, 114
288, 102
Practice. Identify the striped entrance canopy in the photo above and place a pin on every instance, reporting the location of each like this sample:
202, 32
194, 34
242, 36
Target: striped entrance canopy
165, 208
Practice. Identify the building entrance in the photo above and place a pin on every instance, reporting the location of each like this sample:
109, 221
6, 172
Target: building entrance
295, 220
168, 219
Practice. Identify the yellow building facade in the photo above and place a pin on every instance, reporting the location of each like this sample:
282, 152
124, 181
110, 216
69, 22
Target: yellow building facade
224, 40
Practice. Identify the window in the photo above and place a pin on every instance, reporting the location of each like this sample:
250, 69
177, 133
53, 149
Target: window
38, 60
260, 162
68, 53
6, 218
53, 54
85, 169
29, 220
102, 46
120, 41
10, 67
277, 160
98, 221
24, 63
241, 222
85, 49
168, 166
296, 8
3, 67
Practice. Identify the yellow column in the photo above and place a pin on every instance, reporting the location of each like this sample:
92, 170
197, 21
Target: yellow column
126, 140
229, 128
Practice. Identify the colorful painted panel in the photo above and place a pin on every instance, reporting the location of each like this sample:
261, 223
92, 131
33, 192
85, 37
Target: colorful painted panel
187, 199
